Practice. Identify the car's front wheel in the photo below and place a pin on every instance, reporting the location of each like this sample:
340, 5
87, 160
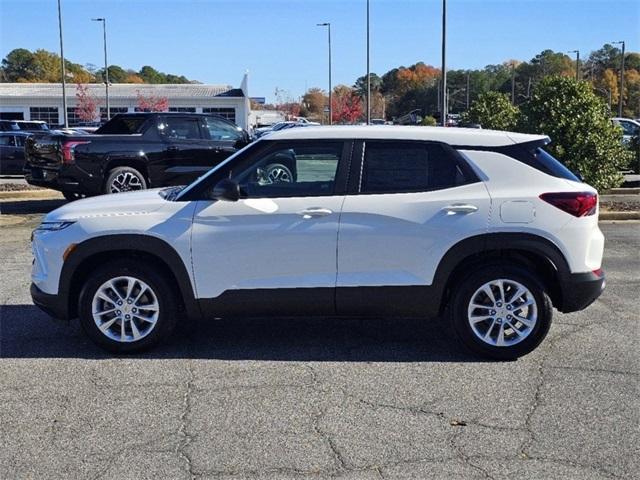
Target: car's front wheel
501, 312
127, 306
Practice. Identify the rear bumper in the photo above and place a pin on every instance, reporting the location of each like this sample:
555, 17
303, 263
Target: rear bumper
53, 305
66, 179
581, 290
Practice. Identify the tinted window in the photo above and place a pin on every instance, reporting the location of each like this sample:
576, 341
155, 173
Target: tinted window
629, 128
176, 128
220, 130
7, 140
407, 167
123, 125
552, 165
295, 170
20, 141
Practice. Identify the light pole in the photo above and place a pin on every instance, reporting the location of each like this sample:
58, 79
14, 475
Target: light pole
106, 65
443, 98
368, 72
64, 73
468, 91
328, 25
513, 83
621, 42
577, 52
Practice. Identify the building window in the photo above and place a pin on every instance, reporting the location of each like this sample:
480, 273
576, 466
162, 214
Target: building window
72, 118
228, 113
183, 109
45, 114
113, 111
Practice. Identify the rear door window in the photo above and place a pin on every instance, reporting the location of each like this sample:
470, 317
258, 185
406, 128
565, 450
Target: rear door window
402, 167
180, 128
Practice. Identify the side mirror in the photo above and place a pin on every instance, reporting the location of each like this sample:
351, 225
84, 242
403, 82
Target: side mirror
226, 190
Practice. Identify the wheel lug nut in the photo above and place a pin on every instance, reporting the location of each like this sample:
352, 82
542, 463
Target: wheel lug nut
129, 301
493, 312
127, 317
118, 312
120, 302
508, 317
499, 304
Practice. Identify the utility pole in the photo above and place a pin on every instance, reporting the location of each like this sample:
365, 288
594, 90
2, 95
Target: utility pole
443, 104
368, 73
64, 73
620, 97
468, 91
577, 52
529, 88
513, 84
106, 65
328, 25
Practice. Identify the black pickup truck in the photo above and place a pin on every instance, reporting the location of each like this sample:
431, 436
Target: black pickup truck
132, 152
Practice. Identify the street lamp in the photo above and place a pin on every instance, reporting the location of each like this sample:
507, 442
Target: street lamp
621, 42
443, 99
577, 52
64, 73
328, 25
368, 72
106, 67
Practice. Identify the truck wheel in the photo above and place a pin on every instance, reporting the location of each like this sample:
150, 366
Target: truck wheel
124, 179
127, 306
501, 312
277, 172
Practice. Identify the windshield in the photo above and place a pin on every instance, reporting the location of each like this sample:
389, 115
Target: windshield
203, 178
123, 125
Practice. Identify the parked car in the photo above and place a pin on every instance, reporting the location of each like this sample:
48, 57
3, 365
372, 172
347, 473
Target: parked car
26, 125
630, 128
483, 226
133, 151
260, 132
12, 152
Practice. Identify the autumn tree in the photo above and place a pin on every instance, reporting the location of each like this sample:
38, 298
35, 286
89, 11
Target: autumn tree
346, 105
152, 103
86, 104
313, 102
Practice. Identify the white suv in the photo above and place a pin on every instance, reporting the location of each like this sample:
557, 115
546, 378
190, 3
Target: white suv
483, 226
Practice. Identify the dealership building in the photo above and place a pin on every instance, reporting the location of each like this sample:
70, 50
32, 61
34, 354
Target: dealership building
43, 101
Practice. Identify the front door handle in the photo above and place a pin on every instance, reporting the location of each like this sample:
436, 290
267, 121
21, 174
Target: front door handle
172, 148
315, 212
460, 208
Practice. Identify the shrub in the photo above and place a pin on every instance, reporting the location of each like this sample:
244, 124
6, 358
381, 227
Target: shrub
428, 121
492, 110
583, 136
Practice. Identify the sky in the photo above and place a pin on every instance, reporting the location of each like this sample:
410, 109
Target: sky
279, 44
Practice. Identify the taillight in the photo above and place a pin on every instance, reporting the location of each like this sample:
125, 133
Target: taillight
578, 204
68, 151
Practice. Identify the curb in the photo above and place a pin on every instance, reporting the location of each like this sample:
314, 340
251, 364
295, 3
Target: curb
619, 215
622, 191
31, 195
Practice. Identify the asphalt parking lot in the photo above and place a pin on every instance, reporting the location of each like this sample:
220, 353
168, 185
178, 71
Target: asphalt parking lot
318, 399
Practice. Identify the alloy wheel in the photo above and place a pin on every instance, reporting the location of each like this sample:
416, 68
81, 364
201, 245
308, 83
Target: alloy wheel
126, 182
502, 312
125, 309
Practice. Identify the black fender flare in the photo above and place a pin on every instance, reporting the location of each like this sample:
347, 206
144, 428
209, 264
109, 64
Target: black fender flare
143, 244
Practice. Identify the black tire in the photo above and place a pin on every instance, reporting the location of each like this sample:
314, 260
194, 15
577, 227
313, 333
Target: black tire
279, 172
461, 301
164, 294
124, 179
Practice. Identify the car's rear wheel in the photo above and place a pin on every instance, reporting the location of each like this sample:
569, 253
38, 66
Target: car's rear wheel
501, 312
125, 179
277, 173
127, 307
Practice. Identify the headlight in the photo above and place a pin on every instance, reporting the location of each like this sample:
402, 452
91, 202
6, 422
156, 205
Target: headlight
53, 226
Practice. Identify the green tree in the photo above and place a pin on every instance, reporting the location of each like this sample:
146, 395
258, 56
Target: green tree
20, 66
577, 120
151, 75
493, 110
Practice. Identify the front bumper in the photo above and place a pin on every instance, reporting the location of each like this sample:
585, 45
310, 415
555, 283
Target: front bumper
53, 305
581, 290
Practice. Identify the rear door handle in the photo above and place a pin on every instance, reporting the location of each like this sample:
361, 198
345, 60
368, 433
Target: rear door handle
460, 208
315, 212
172, 148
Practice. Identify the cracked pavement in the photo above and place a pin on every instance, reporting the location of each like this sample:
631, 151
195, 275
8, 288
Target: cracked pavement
312, 399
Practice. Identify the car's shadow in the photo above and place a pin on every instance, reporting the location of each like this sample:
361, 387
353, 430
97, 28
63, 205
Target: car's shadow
26, 332
25, 207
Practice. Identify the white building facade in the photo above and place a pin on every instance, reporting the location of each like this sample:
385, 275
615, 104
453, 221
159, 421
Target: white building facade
43, 101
